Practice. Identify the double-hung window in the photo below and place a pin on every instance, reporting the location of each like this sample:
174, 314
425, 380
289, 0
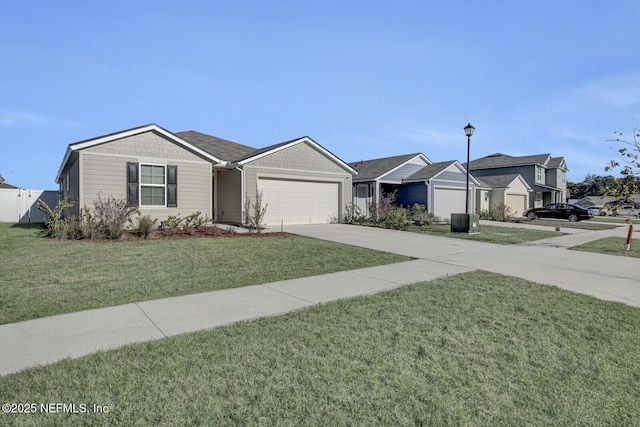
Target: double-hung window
153, 185
540, 175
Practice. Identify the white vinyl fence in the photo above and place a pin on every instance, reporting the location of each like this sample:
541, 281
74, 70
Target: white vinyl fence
19, 205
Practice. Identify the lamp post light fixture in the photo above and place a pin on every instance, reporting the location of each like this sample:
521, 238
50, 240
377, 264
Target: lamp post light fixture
468, 130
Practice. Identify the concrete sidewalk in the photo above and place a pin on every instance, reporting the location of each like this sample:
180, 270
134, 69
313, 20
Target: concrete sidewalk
50, 339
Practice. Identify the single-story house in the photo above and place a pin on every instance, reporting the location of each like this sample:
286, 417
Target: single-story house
381, 176
441, 187
510, 190
415, 179
165, 173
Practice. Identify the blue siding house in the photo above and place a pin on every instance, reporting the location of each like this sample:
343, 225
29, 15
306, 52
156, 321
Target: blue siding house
415, 179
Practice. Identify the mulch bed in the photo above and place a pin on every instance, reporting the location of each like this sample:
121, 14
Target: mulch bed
207, 232
202, 232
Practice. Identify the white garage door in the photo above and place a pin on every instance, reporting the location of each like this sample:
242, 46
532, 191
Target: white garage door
517, 203
447, 201
299, 202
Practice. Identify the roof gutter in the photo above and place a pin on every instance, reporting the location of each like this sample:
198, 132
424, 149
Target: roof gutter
67, 155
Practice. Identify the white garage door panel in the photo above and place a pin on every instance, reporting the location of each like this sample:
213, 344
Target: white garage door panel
299, 202
447, 201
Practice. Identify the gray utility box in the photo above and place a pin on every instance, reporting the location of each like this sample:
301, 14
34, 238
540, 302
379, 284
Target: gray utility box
465, 223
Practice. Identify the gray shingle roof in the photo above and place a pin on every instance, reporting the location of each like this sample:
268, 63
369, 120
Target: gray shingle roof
259, 151
499, 181
371, 169
499, 160
218, 147
5, 185
429, 171
556, 162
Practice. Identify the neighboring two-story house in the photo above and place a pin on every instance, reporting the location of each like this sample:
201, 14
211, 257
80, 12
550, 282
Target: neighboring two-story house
545, 175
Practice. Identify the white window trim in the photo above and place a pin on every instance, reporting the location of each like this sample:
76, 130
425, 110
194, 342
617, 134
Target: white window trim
141, 184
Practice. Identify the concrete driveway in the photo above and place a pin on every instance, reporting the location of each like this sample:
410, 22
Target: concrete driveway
546, 261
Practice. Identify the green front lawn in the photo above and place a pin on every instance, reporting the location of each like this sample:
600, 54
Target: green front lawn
612, 246
585, 225
489, 233
41, 277
472, 349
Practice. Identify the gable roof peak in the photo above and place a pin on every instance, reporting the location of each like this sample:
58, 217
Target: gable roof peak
375, 168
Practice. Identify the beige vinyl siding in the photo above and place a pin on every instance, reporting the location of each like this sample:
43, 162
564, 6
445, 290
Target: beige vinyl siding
147, 144
229, 207
302, 157
106, 175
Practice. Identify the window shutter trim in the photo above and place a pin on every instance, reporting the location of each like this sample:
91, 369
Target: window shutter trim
132, 184
172, 186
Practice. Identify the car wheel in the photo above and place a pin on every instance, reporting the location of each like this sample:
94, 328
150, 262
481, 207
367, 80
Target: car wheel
603, 213
532, 215
573, 217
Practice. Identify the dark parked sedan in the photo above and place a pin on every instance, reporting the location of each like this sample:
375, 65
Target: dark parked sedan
560, 211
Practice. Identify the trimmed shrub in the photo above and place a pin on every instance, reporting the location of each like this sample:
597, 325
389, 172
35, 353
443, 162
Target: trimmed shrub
70, 228
500, 212
193, 222
88, 224
172, 224
353, 214
146, 225
113, 215
419, 215
397, 219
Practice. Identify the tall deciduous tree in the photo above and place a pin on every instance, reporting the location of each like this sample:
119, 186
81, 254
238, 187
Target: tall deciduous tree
628, 154
628, 162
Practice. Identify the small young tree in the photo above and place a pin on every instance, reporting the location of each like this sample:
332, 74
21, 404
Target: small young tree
254, 213
54, 222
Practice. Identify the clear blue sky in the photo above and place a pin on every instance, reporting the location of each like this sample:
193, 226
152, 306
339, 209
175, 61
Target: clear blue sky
365, 79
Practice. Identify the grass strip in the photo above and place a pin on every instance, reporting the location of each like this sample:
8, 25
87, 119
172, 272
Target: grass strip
584, 225
489, 233
611, 246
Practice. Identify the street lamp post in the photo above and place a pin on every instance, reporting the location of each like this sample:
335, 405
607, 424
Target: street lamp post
468, 130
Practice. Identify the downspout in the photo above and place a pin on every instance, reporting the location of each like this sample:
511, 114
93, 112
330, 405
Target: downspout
242, 196
215, 195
